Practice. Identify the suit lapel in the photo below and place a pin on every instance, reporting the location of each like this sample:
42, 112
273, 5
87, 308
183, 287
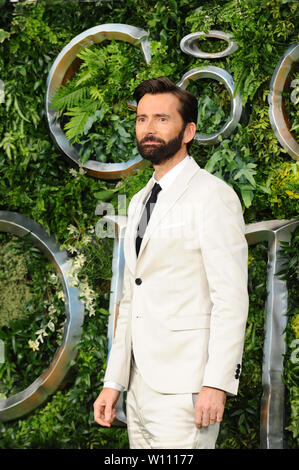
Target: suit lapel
177, 188
133, 221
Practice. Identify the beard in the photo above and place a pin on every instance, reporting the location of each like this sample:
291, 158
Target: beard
157, 154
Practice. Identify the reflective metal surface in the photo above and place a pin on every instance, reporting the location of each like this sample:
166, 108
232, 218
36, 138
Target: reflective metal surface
277, 116
2, 92
272, 403
62, 70
47, 383
273, 399
189, 44
224, 77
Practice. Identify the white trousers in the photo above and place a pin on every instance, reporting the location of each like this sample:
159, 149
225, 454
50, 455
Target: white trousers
164, 421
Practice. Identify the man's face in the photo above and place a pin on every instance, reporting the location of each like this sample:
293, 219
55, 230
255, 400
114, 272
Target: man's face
159, 127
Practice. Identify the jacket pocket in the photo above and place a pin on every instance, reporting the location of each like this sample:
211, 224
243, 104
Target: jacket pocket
192, 322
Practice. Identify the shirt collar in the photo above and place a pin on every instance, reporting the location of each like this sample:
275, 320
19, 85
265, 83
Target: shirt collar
170, 176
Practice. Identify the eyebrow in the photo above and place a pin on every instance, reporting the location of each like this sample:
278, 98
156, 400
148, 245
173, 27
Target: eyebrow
155, 115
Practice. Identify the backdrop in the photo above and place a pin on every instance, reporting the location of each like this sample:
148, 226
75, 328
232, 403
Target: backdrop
40, 182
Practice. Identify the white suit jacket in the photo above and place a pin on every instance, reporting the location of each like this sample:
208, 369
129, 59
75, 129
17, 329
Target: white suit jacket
185, 302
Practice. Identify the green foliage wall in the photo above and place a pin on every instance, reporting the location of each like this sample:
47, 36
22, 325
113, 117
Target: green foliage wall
36, 181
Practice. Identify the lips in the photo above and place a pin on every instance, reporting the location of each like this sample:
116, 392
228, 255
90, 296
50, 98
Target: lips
151, 142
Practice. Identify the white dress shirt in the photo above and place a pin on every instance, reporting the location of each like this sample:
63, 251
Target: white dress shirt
165, 183
170, 176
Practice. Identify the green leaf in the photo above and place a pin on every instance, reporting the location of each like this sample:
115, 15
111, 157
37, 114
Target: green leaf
216, 157
79, 116
247, 173
68, 97
247, 197
98, 116
104, 195
3, 35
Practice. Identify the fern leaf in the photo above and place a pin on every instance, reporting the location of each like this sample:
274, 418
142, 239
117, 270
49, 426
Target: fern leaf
68, 96
85, 78
93, 57
79, 116
96, 94
74, 128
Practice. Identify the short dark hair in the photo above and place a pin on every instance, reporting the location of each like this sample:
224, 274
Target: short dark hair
189, 106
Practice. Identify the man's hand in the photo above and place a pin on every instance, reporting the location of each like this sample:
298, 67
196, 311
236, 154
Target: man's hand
104, 411
209, 406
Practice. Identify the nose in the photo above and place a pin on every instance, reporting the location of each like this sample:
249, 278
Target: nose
150, 127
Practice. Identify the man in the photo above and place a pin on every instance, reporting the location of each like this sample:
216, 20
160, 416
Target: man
179, 337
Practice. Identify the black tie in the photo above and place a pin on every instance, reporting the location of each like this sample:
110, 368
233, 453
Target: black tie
146, 214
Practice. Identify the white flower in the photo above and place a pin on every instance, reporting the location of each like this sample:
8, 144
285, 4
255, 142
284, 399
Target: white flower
79, 261
86, 239
52, 310
72, 229
73, 172
53, 278
33, 344
91, 311
51, 325
60, 295
71, 249
85, 289
81, 169
41, 333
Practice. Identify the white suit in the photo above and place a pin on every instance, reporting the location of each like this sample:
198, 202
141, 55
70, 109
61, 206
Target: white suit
185, 301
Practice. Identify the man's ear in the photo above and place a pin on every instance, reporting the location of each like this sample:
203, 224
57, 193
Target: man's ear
190, 131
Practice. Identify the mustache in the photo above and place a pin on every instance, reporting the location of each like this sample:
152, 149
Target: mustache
151, 139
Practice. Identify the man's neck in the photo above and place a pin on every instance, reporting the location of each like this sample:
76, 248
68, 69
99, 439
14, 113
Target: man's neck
164, 167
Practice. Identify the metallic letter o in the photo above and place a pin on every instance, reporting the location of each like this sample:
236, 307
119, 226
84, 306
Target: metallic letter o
63, 68
224, 77
276, 114
47, 383
189, 45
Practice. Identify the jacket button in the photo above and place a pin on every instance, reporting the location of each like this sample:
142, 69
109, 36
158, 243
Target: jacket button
138, 281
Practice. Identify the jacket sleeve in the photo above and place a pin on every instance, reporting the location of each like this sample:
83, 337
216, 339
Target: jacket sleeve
119, 359
225, 256
117, 365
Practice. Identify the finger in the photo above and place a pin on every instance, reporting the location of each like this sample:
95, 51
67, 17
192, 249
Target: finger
99, 415
97, 411
108, 413
219, 417
113, 414
198, 418
205, 418
101, 421
212, 419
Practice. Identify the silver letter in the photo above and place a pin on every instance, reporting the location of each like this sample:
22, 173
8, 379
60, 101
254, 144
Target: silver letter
2, 93
2, 352
272, 404
47, 383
